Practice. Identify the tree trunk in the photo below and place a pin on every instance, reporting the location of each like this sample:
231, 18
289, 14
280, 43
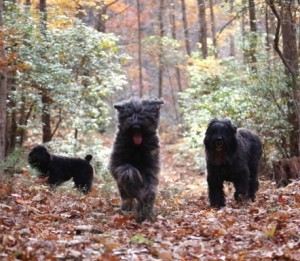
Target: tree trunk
11, 118
268, 42
140, 49
46, 101
231, 36
202, 28
24, 120
46, 119
174, 36
243, 24
43, 16
253, 34
289, 41
3, 94
289, 57
286, 170
101, 10
161, 34
185, 28
213, 27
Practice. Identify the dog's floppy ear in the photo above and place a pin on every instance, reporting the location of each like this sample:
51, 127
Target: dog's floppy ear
233, 127
156, 103
212, 122
118, 107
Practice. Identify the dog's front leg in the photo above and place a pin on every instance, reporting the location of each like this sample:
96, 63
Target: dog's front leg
145, 205
241, 188
215, 192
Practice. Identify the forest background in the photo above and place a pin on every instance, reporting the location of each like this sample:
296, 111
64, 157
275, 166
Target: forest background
65, 63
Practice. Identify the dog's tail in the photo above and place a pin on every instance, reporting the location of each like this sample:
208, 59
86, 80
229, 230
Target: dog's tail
88, 158
130, 179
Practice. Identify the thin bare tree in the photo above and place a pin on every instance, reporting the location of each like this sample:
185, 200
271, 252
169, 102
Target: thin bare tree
174, 36
213, 27
185, 28
140, 49
160, 53
3, 93
46, 100
253, 31
202, 28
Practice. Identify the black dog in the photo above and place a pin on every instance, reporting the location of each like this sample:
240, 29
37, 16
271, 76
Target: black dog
134, 161
59, 169
231, 155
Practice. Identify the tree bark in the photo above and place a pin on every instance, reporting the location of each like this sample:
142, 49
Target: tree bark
161, 34
202, 28
289, 44
46, 119
174, 36
289, 56
253, 35
100, 24
140, 50
286, 170
231, 36
3, 94
213, 27
46, 101
185, 28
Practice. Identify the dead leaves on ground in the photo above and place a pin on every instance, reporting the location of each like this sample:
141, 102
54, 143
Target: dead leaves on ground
38, 224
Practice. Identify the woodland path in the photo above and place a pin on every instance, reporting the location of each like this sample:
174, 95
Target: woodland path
39, 224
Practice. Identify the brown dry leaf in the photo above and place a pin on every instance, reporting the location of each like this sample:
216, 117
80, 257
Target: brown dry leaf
118, 220
41, 180
270, 230
21, 201
115, 202
165, 255
26, 173
111, 246
108, 257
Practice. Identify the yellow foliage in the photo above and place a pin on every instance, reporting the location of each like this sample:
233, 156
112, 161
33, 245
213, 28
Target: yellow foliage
210, 65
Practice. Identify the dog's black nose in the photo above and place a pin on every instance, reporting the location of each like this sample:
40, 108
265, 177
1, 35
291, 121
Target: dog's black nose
219, 139
136, 127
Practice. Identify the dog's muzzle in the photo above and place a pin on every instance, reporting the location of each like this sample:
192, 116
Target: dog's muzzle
219, 144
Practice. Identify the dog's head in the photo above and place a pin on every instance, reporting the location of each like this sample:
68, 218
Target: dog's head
139, 117
39, 158
220, 138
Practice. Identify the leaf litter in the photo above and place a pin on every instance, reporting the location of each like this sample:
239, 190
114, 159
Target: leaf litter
39, 224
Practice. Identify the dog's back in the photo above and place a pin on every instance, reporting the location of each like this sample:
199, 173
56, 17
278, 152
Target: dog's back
251, 144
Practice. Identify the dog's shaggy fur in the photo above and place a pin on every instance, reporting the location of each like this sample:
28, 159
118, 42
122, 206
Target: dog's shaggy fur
231, 155
134, 161
59, 169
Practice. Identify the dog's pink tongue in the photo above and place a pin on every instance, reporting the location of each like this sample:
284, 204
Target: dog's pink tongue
137, 138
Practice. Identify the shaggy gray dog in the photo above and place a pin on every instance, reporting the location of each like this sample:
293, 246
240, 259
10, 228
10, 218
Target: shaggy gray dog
231, 155
59, 169
134, 161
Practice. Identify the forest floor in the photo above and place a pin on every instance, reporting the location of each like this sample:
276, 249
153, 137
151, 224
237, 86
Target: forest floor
39, 224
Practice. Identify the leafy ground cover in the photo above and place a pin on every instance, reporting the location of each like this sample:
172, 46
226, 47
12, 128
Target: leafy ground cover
38, 224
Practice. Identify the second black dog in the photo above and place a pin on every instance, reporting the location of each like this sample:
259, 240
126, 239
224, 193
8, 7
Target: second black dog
231, 155
59, 169
134, 161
